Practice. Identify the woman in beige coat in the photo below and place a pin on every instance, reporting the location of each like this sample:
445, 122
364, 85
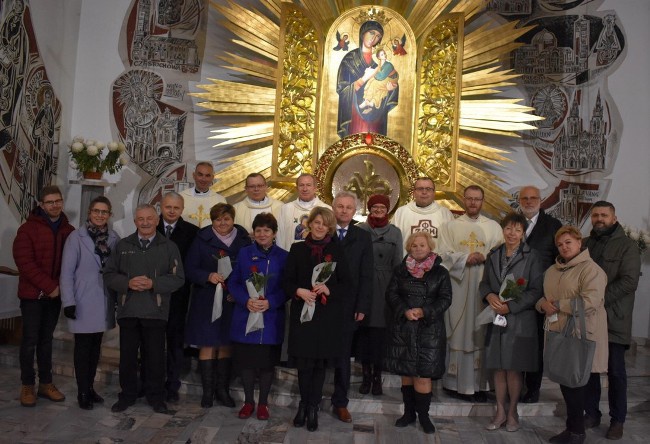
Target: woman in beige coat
576, 275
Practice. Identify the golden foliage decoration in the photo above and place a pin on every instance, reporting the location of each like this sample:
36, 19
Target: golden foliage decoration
297, 115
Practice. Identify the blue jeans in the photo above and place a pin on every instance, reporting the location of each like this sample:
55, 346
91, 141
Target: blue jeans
617, 391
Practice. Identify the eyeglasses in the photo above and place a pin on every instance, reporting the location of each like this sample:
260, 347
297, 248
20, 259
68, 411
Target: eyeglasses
99, 212
473, 199
51, 203
427, 189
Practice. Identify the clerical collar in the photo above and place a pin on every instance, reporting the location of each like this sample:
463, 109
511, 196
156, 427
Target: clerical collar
201, 193
258, 203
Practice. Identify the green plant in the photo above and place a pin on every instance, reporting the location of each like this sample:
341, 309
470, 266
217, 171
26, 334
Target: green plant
92, 155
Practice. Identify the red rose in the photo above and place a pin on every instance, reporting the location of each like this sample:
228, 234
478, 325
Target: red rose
254, 268
328, 258
222, 253
323, 299
262, 298
521, 282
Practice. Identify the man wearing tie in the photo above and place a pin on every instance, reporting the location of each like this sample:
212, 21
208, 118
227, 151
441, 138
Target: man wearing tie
182, 233
540, 236
357, 245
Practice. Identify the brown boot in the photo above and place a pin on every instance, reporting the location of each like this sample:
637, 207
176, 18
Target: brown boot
27, 396
50, 392
615, 430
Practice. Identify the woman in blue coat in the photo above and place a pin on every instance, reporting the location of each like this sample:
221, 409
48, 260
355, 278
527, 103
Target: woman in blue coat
221, 239
86, 302
258, 351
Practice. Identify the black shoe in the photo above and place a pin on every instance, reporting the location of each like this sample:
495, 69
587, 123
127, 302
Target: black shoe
376, 385
591, 422
85, 401
95, 397
301, 416
121, 405
531, 397
561, 438
312, 418
577, 438
479, 397
160, 407
172, 396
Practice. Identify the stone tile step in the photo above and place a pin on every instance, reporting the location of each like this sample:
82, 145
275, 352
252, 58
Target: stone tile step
285, 390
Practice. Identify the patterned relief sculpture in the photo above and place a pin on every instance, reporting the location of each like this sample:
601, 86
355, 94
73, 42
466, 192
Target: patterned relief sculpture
30, 113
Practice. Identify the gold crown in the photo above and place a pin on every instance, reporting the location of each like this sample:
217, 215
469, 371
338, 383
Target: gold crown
374, 14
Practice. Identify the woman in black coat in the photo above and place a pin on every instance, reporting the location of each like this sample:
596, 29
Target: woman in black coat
315, 344
418, 295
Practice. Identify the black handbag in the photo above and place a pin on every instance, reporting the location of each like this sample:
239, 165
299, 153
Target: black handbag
568, 359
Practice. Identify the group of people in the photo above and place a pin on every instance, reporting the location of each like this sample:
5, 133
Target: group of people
302, 282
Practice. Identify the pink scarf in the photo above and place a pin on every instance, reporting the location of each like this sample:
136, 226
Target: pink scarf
417, 269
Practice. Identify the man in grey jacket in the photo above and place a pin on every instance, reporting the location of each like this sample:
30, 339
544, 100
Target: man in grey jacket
144, 270
619, 257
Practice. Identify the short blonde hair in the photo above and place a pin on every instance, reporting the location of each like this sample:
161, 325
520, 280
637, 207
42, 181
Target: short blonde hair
570, 230
328, 218
425, 234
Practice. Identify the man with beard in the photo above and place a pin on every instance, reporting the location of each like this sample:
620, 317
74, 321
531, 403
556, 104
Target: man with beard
619, 256
466, 242
540, 235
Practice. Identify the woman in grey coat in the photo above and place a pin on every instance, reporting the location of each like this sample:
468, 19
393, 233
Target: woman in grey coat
86, 302
387, 251
511, 346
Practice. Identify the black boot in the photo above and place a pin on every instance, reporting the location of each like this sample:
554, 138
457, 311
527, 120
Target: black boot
301, 416
364, 388
85, 401
376, 381
222, 384
422, 402
408, 396
312, 418
207, 381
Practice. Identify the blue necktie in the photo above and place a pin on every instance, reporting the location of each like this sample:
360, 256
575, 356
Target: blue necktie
342, 232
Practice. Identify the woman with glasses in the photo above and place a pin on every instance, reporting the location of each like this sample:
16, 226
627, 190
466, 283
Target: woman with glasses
86, 301
387, 251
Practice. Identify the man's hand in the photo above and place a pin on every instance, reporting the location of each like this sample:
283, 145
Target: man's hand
140, 283
359, 317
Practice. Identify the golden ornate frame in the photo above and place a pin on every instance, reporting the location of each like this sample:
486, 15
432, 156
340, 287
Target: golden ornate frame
357, 144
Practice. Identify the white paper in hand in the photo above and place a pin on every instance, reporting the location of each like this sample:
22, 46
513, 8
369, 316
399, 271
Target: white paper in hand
255, 320
224, 268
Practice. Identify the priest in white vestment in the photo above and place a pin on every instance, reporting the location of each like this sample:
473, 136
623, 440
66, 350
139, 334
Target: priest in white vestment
201, 198
422, 213
255, 202
466, 243
292, 224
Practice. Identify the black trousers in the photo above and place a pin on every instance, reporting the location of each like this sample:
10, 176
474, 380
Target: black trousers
87, 348
533, 380
575, 406
40, 317
147, 334
342, 373
176, 339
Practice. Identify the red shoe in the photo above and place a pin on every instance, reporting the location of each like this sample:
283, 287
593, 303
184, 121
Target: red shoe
246, 411
263, 412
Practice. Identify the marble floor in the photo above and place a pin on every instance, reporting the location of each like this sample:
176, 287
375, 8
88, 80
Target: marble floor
456, 421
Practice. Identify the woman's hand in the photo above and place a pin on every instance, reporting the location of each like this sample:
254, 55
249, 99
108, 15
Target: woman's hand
548, 308
321, 289
413, 314
306, 295
215, 278
497, 304
257, 305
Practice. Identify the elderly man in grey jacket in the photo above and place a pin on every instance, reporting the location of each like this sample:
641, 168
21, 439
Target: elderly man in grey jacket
619, 257
144, 270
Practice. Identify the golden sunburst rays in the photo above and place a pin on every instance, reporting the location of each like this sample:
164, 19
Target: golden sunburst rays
253, 54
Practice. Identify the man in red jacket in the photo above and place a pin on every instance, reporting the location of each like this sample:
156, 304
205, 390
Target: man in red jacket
37, 250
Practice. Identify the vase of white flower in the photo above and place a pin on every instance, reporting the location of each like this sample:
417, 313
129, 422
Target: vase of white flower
93, 158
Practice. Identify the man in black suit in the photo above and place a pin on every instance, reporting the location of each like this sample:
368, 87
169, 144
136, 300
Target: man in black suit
182, 233
540, 235
358, 250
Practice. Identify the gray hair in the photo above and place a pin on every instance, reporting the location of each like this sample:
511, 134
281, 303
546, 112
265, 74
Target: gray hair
342, 194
